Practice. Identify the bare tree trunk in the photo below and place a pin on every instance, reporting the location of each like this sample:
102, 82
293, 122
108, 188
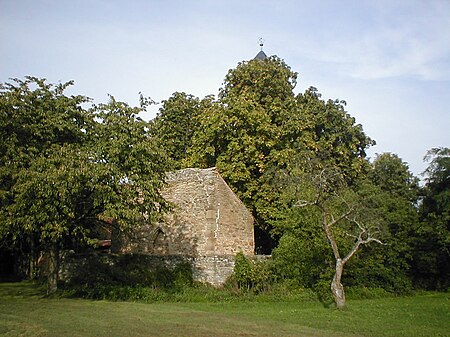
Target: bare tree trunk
336, 286
52, 270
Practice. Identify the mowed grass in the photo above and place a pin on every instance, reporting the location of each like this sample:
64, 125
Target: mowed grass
24, 311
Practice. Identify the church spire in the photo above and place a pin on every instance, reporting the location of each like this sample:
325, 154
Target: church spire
261, 55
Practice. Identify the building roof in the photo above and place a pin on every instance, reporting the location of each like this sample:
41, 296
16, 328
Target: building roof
261, 56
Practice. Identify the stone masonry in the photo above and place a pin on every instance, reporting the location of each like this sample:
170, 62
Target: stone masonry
208, 225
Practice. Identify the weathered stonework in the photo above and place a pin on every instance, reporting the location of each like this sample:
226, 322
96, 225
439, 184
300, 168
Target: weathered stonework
208, 225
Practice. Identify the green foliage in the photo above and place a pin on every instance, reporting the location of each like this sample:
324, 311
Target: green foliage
46, 195
392, 175
361, 293
66, 170
258, 125
389, 266
251, 275
432, 247
302, 259
329, 133
176, 123
125, 277
130, 164
83, 167
375, 268
326, 225
269, 82
35, 119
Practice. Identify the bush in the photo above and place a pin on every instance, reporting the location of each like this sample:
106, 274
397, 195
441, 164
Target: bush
251, 274
124, 276
305, 261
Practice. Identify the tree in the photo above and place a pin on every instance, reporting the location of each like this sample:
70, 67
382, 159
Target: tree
47, 203
176, 123
132, 165
34, 117
330, 134
432, 249
238, 132
258, 124
389, 266
348, 217
63, 192
392, 175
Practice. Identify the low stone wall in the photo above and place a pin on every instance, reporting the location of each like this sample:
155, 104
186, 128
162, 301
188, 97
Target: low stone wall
212, 270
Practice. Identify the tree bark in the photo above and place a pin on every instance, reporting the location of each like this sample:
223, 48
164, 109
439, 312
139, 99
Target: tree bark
336, 286
52, 270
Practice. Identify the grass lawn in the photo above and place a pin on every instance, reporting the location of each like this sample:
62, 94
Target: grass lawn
25, 312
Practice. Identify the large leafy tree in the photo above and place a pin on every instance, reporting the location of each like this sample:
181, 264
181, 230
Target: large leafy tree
389, 266
176, 123
60, 185
330, 133
131, 165
34, 118
258, 124
432, 248
239, 131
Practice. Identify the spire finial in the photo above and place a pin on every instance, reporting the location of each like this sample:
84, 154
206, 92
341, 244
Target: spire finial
261, 55
261, 43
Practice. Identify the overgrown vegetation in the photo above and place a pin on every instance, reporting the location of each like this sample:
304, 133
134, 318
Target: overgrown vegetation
143, 279
125, 277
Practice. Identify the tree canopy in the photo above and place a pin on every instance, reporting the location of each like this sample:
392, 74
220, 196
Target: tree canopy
432, 247
66, 169
258, 123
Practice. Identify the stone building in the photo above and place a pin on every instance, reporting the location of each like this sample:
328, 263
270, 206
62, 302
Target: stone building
208, 226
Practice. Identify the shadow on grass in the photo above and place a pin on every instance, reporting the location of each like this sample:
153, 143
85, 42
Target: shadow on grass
23, 289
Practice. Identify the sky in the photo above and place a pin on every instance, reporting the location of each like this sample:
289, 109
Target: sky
389, 60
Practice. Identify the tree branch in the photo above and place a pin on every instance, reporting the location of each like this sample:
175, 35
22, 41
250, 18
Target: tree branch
360, 242
304, 203
330, 237
343, 216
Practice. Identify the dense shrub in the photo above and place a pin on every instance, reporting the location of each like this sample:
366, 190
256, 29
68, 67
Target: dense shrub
120, 277
251, 274
139, 278
311, 264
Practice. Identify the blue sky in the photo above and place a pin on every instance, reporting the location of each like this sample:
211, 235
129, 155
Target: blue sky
390, 60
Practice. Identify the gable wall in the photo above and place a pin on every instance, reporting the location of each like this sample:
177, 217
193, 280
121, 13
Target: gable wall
208, 218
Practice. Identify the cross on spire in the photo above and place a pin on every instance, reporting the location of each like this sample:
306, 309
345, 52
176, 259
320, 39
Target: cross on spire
261, 55
261, 43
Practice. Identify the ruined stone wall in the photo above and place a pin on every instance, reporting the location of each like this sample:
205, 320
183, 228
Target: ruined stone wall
214, 270
208, 213
208, 219
208, 225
